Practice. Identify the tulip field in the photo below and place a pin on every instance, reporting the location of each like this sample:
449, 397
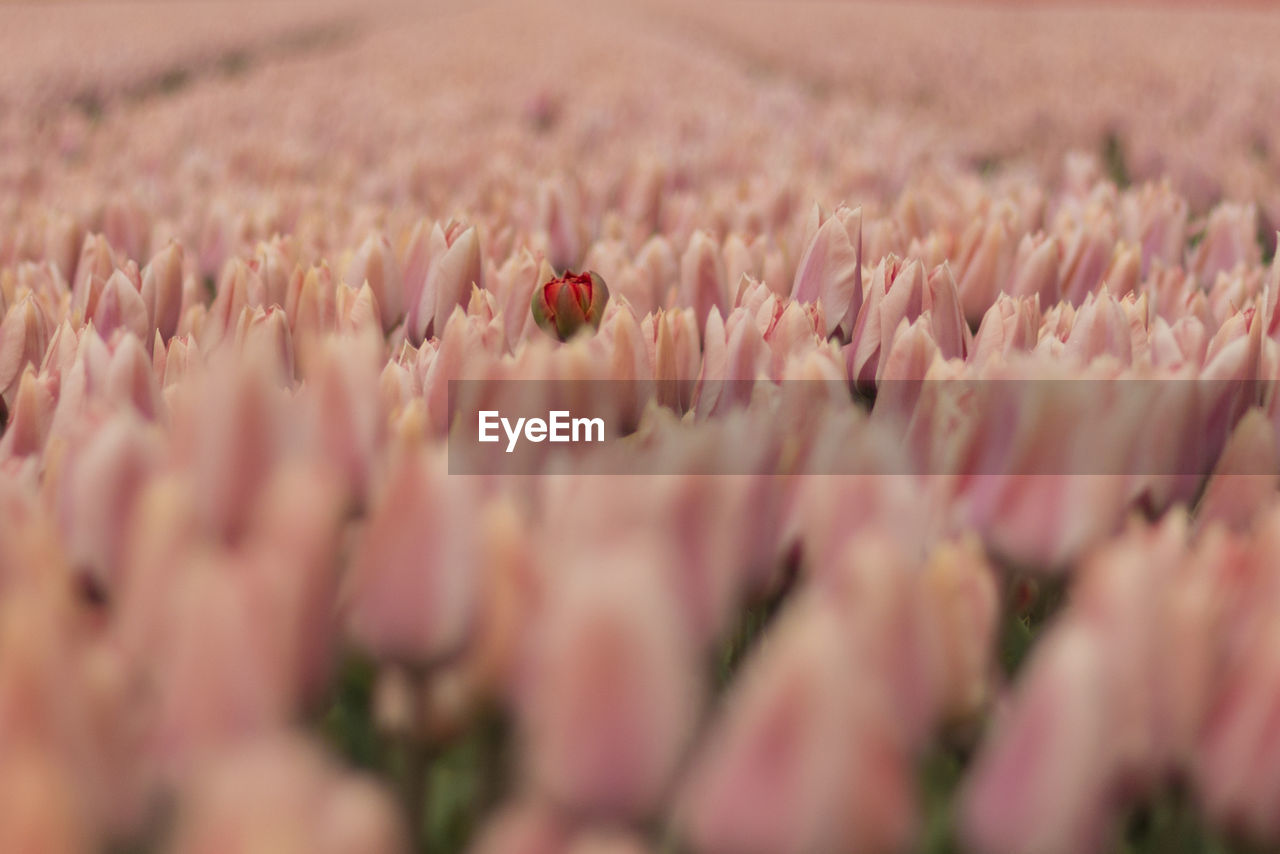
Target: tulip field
639, 427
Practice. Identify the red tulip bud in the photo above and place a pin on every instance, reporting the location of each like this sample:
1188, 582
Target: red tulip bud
563, 306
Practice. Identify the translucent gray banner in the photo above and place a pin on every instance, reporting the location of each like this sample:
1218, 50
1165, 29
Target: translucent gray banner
944, 427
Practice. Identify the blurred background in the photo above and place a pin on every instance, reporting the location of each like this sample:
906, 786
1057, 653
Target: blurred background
831, 100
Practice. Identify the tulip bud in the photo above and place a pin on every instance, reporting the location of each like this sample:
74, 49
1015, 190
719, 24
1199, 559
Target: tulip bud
96, 260
563, 306
120, 306
162, 289
702, 277
24, 336
831, 270
1228, 241
375, 263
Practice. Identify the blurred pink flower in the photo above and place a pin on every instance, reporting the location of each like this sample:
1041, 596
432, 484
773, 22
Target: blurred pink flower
611, 695
411, 592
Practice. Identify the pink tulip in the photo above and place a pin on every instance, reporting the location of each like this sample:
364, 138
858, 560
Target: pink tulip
274, 261
264, 335
344, 427
1237, 761
1087, 254
1035, 269
1008, 326
560, 218
96, 262
830, 270
409, 594
120, 306
24, 336
1013, 802
1100, 329
801, 757
961, 586
455, 266
229, 428
1245, 476
374, 263
1155, 218
281, 794
30, 417
100, 485
896, 293
676, 359
311, 305
162, 290
1229, 240
659, 270
702, 278
613, 692
517, 280
986, 257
